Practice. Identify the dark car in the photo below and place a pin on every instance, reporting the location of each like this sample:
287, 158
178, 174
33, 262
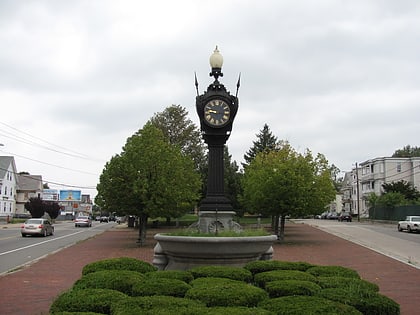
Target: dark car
345, 217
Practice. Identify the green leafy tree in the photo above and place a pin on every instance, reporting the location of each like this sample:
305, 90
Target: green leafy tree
404, 188
284, 182
407, 151
150, 178
233, 188
266, 141
181, 131
35, 206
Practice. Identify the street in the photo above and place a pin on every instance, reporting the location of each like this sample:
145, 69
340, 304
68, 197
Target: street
382, 238
17, 251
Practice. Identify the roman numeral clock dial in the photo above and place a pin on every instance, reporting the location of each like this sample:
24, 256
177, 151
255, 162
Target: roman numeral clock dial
216, 113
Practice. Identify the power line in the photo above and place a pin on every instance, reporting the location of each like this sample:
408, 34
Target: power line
29, 142
58, 166
50, 182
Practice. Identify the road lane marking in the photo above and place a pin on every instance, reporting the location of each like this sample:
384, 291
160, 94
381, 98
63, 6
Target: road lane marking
37, 244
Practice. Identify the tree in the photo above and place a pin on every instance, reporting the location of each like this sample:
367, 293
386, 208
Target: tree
266, 141
52, 208
35, 206
407, 151
406, 189
181, 131
150, 178
284, 182
233, 188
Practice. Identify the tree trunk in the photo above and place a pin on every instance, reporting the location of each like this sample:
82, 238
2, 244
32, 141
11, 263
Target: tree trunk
276, 225
142, 229
280, 236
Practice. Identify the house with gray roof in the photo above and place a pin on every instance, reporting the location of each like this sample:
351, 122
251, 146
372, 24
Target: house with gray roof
28, 186
8, 186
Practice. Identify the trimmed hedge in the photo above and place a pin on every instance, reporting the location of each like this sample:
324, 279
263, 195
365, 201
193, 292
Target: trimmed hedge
161, 286
122, 263
333, 271
225, 292
269, 265
234, 273
261, 279
291, 287
309, 305
87, 300
119, 280
157, 305
347, 283
367, 302
300, 288
185, 276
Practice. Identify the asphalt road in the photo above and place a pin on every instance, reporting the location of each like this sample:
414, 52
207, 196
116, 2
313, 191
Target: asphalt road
382, 238
17, 251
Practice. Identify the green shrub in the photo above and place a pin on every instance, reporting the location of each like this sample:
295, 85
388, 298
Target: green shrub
77, 313
185, 276
333, 271
261, 279
88, 300
350, 283
237, 310
119, 280
291, 287
225, 292
156, 304
161, 286
367, 302
122, 263
234, 273
268, 265
308, 305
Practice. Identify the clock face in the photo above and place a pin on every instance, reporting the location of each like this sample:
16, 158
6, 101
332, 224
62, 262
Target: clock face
217, 113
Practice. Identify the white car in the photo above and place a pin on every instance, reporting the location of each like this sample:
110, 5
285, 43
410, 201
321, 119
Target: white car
411, 224
83, 220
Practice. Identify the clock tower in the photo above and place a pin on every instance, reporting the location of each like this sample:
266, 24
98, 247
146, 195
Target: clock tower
216, 109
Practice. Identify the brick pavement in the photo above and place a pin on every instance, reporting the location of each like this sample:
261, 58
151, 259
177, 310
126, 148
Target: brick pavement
31, 290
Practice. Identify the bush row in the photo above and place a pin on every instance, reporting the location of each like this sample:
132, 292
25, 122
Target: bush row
129, 286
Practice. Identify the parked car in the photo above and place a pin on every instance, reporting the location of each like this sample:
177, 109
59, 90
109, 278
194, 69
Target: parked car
411, 224
83, 220
104, 219
345, 216
37, 226
332, 216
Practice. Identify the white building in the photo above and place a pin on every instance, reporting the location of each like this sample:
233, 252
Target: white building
369, 176
8, 185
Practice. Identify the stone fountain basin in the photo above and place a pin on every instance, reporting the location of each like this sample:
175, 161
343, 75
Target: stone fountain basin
185, 252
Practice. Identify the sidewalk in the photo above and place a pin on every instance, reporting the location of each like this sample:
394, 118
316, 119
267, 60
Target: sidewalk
30, 291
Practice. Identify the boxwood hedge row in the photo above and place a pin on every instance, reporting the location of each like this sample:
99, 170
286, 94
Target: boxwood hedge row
125, 286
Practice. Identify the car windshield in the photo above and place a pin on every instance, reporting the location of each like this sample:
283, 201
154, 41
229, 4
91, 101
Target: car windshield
83, 218
415, 219
34, 221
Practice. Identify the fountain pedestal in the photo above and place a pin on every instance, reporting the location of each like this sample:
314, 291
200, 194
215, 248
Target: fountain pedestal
185, 252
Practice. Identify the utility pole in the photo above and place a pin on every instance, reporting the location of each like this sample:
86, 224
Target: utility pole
357, 193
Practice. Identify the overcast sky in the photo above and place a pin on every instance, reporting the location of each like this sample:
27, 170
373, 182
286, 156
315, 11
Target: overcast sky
77, 78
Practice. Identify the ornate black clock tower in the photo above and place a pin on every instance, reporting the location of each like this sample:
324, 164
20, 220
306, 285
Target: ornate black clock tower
216, 109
